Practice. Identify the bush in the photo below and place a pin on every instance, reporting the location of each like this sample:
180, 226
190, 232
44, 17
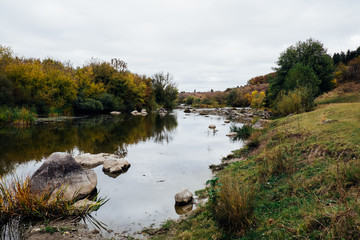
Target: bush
257, 99
112, 103
296, 101
234, 206
238, 97
89, 105
190, 100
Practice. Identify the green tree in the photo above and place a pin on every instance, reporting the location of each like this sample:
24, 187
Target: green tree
309, 58
302, 76
164, 89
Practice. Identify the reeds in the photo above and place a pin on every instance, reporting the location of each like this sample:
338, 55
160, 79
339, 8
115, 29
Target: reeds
243, 132
19, 116
16, 200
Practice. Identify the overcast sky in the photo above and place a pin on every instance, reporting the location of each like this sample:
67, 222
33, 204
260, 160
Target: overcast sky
204, 44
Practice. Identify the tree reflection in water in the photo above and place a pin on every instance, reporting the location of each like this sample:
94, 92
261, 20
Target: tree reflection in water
98, 134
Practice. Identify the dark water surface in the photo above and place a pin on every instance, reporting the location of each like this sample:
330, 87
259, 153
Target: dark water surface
166, 155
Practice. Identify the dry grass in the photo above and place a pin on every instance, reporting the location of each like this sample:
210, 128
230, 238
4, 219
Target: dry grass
234, 206
16, 200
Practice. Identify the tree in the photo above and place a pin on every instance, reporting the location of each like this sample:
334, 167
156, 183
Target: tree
164, 89
309, 59
302, 76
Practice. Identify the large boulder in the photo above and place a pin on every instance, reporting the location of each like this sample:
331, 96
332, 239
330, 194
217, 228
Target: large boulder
61, 171
184, 197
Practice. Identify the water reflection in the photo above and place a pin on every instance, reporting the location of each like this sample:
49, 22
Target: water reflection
91, 135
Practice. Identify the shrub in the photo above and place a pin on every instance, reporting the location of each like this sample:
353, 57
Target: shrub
112, 103
257, 99
190, 100
238, 97
234, 206
296, 101
89, 105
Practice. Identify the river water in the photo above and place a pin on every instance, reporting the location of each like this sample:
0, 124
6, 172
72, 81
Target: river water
167, 154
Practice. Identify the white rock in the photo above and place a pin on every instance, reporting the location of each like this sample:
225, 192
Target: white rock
91, 160
115, 113
116, 165
184, 197
231, 134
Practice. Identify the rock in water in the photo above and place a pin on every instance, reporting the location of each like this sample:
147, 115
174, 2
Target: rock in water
115, 113
212, 126
184, 197
61, 171
116, 166
90, 160
232, 134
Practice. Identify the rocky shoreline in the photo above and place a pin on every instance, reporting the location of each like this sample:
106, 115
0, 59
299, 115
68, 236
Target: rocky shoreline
245, 115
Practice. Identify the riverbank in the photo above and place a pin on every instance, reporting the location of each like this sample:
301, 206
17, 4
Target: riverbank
301, 176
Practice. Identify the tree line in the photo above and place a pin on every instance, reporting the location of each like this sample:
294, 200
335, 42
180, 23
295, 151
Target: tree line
51, 87
304, 71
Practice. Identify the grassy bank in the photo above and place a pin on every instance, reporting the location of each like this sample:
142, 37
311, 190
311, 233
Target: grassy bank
300, 181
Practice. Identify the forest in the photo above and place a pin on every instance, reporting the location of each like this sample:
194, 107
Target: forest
33, 87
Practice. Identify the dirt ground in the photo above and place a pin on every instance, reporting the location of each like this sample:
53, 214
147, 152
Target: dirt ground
59, 230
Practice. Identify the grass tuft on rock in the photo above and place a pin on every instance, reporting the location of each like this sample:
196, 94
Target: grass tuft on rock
16, 200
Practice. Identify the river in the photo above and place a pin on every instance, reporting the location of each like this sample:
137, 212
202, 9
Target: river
167, 154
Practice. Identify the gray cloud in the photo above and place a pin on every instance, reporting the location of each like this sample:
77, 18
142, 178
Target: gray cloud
204, 43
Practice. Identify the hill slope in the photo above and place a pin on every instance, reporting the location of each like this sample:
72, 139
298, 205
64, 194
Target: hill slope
301, 176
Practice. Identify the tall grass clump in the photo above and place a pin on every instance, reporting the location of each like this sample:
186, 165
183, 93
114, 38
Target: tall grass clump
20, 116
16, 200
243, 132
232, 205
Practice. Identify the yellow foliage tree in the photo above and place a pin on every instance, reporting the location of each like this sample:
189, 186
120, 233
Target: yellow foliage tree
257, 99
